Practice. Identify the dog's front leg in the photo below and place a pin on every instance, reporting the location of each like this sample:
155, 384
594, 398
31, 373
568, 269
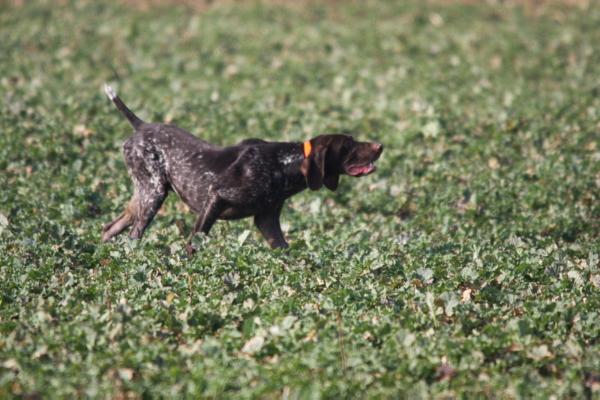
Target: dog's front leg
268, 225
212, 209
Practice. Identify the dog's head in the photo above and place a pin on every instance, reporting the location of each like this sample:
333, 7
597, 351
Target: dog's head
326, 157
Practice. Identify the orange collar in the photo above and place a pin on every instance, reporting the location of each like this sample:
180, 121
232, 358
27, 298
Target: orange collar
307, 148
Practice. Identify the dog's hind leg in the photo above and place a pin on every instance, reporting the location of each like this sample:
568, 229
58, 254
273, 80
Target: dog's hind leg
120, 223
139, 212
146, 169
149, 202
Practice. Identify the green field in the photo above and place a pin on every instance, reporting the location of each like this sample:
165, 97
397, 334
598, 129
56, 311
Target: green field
467, 266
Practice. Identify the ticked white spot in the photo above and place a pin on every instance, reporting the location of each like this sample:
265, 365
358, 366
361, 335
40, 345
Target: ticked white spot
289, 158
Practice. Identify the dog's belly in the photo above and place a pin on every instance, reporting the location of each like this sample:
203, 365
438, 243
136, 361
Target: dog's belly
251, 203
245, 203
236, 213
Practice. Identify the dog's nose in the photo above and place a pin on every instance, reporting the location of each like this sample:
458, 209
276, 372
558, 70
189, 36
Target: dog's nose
377, 147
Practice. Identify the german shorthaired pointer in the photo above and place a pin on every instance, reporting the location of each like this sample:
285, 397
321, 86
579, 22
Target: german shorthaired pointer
251, 178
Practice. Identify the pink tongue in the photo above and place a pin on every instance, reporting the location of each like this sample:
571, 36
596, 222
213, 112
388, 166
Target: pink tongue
362, 170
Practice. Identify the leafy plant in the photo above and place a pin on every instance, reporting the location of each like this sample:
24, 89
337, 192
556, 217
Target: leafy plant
466, 266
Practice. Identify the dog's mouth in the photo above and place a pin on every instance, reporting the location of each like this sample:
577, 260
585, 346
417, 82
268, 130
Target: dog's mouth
361, 169
362, 162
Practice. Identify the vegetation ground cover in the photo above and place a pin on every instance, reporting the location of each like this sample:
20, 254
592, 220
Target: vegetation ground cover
466, 266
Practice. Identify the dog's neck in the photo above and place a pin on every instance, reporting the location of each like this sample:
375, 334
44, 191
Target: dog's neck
292, 156
290, 159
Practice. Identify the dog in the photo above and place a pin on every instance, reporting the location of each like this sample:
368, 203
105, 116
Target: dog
251, 178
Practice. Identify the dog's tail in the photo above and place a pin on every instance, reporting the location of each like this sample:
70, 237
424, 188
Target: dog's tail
131, 117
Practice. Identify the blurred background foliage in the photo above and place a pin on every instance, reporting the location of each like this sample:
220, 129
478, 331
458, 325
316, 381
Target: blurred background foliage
467, 265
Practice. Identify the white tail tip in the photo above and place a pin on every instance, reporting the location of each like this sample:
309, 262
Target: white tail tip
109, 91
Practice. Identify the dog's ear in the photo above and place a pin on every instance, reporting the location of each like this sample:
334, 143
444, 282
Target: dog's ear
313, 167
331, 181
